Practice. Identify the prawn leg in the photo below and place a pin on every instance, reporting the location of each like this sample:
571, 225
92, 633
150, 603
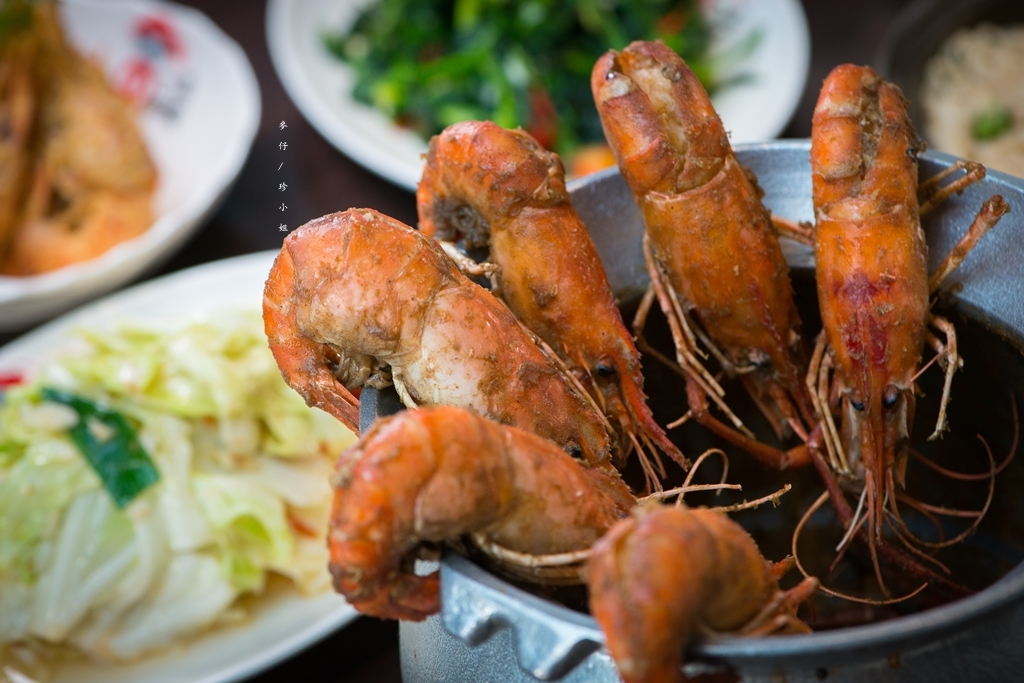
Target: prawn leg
986, 219
768, 455
800, 232
949, 359
818, 385
699, 383
469, 267
779, 615
930, 194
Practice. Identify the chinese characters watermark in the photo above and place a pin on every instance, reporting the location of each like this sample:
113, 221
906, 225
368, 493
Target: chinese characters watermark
282, 186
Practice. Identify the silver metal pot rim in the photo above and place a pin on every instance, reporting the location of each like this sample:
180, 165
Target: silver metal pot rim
898, 634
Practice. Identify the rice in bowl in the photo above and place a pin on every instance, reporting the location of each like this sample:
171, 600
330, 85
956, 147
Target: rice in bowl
972, 95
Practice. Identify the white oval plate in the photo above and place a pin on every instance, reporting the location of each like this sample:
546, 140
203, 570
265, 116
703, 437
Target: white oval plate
198, 126
283, 622
754, 111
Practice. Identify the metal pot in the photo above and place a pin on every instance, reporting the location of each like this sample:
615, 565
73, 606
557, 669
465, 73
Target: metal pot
489, 630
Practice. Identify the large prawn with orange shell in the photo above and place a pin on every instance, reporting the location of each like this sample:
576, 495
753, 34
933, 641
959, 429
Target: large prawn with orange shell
873, 290
409, 485
716, 266
492, 187
358, 298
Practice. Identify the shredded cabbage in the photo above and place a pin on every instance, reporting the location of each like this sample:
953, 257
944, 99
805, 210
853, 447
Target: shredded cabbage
243, 490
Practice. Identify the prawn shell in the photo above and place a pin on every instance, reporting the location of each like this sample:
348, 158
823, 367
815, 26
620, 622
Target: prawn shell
375, 291
666, 138
871, 267
550, 274
872, 282
863, 145
745, 304
700, 207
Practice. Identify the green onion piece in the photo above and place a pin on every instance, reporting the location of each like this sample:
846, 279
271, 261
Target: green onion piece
110, 445
988, 124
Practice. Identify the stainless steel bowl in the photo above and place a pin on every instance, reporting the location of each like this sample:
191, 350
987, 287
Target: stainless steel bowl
491, 631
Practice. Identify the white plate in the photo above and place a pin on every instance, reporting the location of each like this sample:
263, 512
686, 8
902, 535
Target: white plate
284, 622
198, 127
319, 84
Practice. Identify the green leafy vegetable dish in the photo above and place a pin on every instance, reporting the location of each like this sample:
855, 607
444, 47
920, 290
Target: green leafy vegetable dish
151, 478
430, 64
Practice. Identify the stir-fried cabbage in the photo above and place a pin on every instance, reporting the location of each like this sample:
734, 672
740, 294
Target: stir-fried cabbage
243, 490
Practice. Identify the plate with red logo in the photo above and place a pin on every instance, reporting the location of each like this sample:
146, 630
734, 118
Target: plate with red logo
198, 109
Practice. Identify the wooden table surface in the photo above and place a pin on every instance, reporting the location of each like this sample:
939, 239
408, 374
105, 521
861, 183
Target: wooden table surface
322, 180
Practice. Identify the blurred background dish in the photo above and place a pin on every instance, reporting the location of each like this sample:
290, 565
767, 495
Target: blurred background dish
278, 624
763, 86
959, 62
200, 116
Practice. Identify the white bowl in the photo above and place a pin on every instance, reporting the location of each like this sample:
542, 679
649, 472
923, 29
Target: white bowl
198, 129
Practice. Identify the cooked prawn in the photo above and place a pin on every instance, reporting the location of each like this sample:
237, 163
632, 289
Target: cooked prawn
713, 254
498, 188
358, 298
430, 475
873, 283
667, 573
